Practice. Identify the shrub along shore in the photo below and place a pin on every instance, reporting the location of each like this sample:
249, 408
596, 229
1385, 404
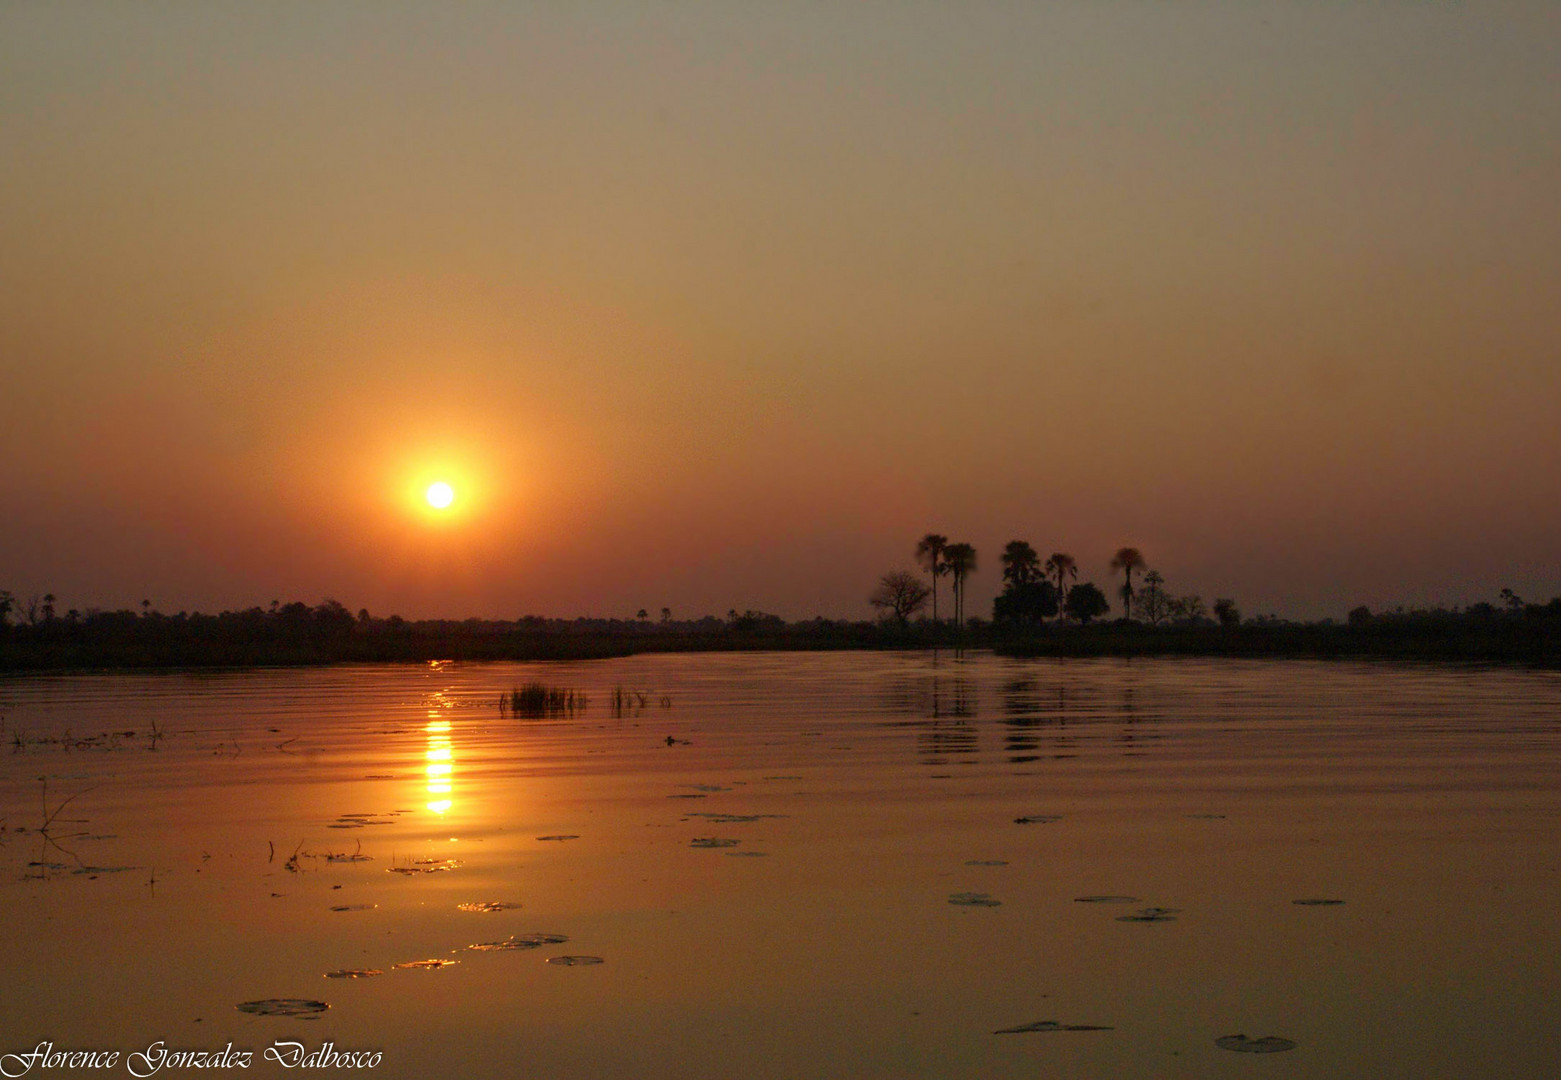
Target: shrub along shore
297, 634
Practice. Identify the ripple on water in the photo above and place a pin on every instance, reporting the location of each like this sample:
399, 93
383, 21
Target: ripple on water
1105, 899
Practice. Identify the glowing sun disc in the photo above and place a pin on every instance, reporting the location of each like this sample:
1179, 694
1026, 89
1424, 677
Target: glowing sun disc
439, 495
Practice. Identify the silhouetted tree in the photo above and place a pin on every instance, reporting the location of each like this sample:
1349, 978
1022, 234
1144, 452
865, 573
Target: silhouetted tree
1154, 603
1127, 560
7, 602
1061, 565
929, 553
642, 615
960, 559
1188, 609
900, 594
48, 607
1512, 600
1021, 565
1226, 612
666, 615
1025, 603
1086, 602
1360, 616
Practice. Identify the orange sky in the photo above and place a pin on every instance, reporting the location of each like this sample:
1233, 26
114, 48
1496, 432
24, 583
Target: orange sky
724, 305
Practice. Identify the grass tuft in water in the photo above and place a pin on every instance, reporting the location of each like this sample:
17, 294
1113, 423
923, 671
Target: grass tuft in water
536, 700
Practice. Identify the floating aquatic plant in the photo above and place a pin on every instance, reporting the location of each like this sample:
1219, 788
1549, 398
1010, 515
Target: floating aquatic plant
1318, 902
354, 907
354, 973
987, 862
424, 866
1038, 819
974, 899
1049, 1025
428, 964
574, 961
1105, 899
1268, 1044
486, 906
1151, 914
520, 941
296, 1008
561, 837
713, 842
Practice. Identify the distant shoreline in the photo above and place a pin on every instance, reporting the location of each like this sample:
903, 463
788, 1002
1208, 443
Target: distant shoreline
1506, 641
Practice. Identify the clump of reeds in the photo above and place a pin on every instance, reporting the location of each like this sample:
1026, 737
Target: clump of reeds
538, 700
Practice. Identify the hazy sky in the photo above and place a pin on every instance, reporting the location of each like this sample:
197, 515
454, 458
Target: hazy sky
714, 305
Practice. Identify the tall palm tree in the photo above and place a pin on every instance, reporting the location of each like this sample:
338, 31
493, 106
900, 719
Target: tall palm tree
1127, 560
1021, 565
1062, 565
961, 561
929, 553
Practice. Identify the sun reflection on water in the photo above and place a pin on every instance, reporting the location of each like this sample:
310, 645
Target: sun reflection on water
440, 769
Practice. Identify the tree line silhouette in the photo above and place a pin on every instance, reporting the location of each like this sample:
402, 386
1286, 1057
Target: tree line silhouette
1044, 609
1034, 592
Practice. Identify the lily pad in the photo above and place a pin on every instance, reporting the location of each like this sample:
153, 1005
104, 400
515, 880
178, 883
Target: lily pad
1268, 1044
713, 842
514, 943
424, 866
574, 961
487, 906
354, 973
1037, 819
1049, 1025
1105, 899
354, 907
974, 899
428, 964
735, 819
1318, 902
297, 1008
1151, 914
561, 837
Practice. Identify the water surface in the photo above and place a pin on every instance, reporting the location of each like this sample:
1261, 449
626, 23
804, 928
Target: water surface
795, 865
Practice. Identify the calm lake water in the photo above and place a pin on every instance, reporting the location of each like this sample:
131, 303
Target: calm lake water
842, 865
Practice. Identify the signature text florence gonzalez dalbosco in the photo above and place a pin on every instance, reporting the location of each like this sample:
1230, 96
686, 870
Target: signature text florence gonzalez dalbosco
158, 1056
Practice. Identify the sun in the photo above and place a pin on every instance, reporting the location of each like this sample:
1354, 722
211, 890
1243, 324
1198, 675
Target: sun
440, 495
